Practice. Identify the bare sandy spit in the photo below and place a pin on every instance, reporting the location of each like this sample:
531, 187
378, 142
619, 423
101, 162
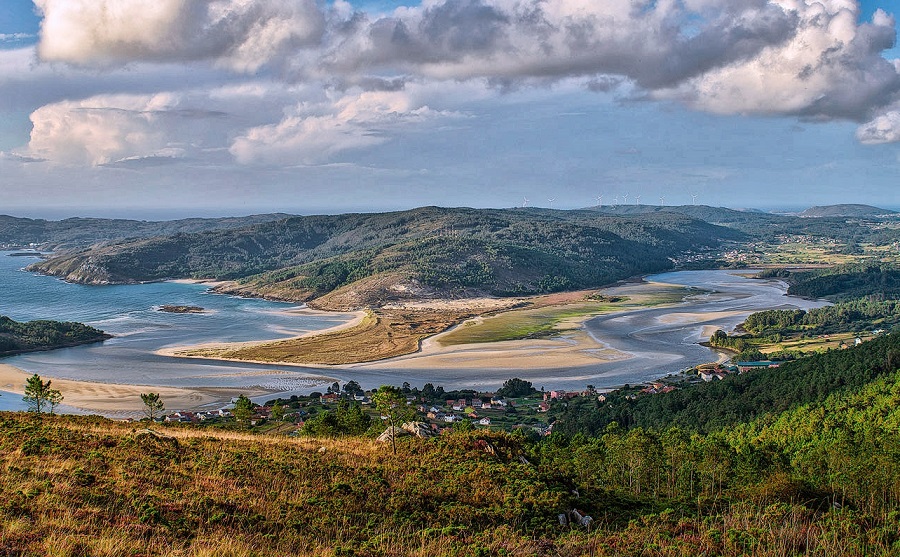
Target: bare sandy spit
574, 348
181, 351
116, 400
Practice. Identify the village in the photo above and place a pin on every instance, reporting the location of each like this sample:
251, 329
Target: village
438, 411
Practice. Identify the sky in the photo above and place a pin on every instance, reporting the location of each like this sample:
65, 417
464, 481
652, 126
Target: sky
181, 108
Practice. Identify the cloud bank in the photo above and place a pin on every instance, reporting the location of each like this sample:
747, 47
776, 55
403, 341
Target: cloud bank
358, 78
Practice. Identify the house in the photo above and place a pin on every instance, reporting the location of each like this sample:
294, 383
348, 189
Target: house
180, 417
486, 405
543, 407
484, 421
329, 398
450, 418
744, 367
498, 401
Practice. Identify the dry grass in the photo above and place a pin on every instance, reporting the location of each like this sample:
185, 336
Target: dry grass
383, 333
75, 486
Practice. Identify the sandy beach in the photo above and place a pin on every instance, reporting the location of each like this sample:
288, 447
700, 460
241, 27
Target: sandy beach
114, 400
574, 349
180, 351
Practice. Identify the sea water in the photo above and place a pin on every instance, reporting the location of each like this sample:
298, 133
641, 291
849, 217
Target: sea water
131, 314
657, 345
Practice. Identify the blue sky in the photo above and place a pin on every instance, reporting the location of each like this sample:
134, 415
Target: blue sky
457, 103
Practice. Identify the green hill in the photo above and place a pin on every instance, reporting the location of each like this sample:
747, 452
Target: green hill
16, 337
845, 210
431, 250
739, 398
73, 233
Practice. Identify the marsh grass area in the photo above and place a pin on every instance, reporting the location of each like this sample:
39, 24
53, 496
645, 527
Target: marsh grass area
824, 252
379, 335
387, 333
551, 320
815, 344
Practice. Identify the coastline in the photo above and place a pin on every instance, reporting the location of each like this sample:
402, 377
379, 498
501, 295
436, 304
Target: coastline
118, 400
182, 351
570, 345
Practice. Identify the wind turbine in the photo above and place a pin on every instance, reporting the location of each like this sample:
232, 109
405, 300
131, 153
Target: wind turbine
524, 202
625, 196
693, 199
551, 200
662, 201
637, 199
599, 201
616, 200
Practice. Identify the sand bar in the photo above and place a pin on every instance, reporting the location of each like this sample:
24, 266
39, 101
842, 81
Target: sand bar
116, 400
196, 350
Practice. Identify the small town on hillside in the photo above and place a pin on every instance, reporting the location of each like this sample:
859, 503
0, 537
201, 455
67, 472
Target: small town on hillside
516, 406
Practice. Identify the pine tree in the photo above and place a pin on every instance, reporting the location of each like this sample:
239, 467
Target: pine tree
39, 396
153, 405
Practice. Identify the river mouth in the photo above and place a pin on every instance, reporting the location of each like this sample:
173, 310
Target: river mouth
655, 341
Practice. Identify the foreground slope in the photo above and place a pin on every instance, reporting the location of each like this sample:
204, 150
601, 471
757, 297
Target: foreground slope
822, 478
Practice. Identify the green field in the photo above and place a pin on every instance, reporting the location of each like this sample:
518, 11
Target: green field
549, 321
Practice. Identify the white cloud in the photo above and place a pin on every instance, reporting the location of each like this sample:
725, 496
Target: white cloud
312, 133
806, 58
106, 129
830, 67
243, 35
885, 128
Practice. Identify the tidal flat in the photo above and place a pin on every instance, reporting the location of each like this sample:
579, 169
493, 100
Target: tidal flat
652, 332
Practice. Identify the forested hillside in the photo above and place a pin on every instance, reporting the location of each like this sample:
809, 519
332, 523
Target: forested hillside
740, 398
81, 232
769, 227
16, 337
500, 252
876, 281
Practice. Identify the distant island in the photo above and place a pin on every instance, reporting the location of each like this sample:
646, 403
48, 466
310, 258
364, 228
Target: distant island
36, 336
182, 309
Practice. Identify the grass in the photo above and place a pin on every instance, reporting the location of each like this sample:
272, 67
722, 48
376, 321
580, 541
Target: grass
74, 486
818, 343
549, 320
381, 334
823, 252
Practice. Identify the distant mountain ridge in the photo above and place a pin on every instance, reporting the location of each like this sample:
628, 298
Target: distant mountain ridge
17, 232
357, 260
845, 210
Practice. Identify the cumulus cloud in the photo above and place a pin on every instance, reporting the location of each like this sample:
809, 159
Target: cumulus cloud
885, 128
106, 129
311, 133
831, 67
811, 59
243, 35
